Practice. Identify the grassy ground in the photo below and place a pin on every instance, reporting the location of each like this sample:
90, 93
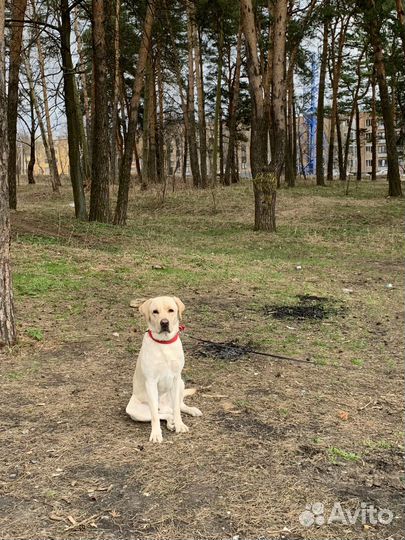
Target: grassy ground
275, 436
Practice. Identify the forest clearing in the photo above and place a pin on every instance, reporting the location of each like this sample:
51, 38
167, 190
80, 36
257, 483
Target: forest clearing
275, 435
244, 159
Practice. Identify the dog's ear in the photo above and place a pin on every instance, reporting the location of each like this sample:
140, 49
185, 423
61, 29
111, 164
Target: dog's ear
180, 306
144, 309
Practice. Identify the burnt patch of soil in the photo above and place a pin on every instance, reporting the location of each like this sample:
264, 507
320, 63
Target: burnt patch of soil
308, 307
253, 427
229, 350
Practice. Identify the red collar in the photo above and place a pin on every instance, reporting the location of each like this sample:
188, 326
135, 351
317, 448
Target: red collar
168, 341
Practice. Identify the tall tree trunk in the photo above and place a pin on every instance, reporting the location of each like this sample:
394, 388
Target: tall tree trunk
342, 174
18, 8
372, 26
373, 128
160, 146
295, 135
116, 93
358, 144
53, 165
150, 84
121, 209
290, 171
268, 75
145, 129
354, 113
279, 88
202, 129
233, 110
264, 183
100, 185
38, 112
320, 168
217, 114
84, 83
31, 163
192, 139
336, 59
72, 115
8, 335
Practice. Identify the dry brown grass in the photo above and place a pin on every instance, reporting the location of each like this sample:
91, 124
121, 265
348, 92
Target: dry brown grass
74, 466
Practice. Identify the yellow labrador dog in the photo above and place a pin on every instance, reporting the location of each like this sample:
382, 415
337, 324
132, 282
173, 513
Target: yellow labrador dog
158, 389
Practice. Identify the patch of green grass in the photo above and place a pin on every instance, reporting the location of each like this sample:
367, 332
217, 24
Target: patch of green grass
35, 333
38, 278
243, 404
379, 444
37, 240
15, 375
321, 361
357, 362
335, 453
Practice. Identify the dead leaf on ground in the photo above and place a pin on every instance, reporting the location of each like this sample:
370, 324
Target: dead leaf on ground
343, 415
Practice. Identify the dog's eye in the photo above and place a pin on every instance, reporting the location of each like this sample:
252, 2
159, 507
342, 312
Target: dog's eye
171, 310
155, 311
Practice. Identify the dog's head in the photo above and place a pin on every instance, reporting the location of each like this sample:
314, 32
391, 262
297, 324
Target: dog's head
163, 314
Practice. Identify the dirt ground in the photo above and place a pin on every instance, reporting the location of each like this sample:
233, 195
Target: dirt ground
276, 437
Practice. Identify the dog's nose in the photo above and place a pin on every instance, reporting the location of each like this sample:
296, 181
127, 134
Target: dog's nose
164, 322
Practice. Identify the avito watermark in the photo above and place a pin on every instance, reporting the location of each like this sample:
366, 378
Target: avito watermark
365, 514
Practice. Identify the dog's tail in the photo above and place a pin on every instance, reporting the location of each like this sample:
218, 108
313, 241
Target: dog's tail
190, 392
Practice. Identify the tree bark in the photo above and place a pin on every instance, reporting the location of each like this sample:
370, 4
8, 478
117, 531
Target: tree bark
38, 112
358, 144
290, 170
233, 110
116, 93
217, 114
373, 128
202, 129
335, 58
17, 13
372, 26
279, 88
100, 184
160, 146
53, 164
73, 128
31, 163
342, 175
320, 170
8, 335
84, 85
192, 139
263, 185
121, 209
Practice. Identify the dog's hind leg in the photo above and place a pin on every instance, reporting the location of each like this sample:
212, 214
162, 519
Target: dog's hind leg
192, 411
140, 412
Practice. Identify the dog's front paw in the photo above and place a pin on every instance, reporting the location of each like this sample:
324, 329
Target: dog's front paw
156, 436
181, 428
170, 424
195, 412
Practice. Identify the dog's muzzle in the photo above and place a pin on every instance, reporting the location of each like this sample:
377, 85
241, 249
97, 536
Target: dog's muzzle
164, 325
